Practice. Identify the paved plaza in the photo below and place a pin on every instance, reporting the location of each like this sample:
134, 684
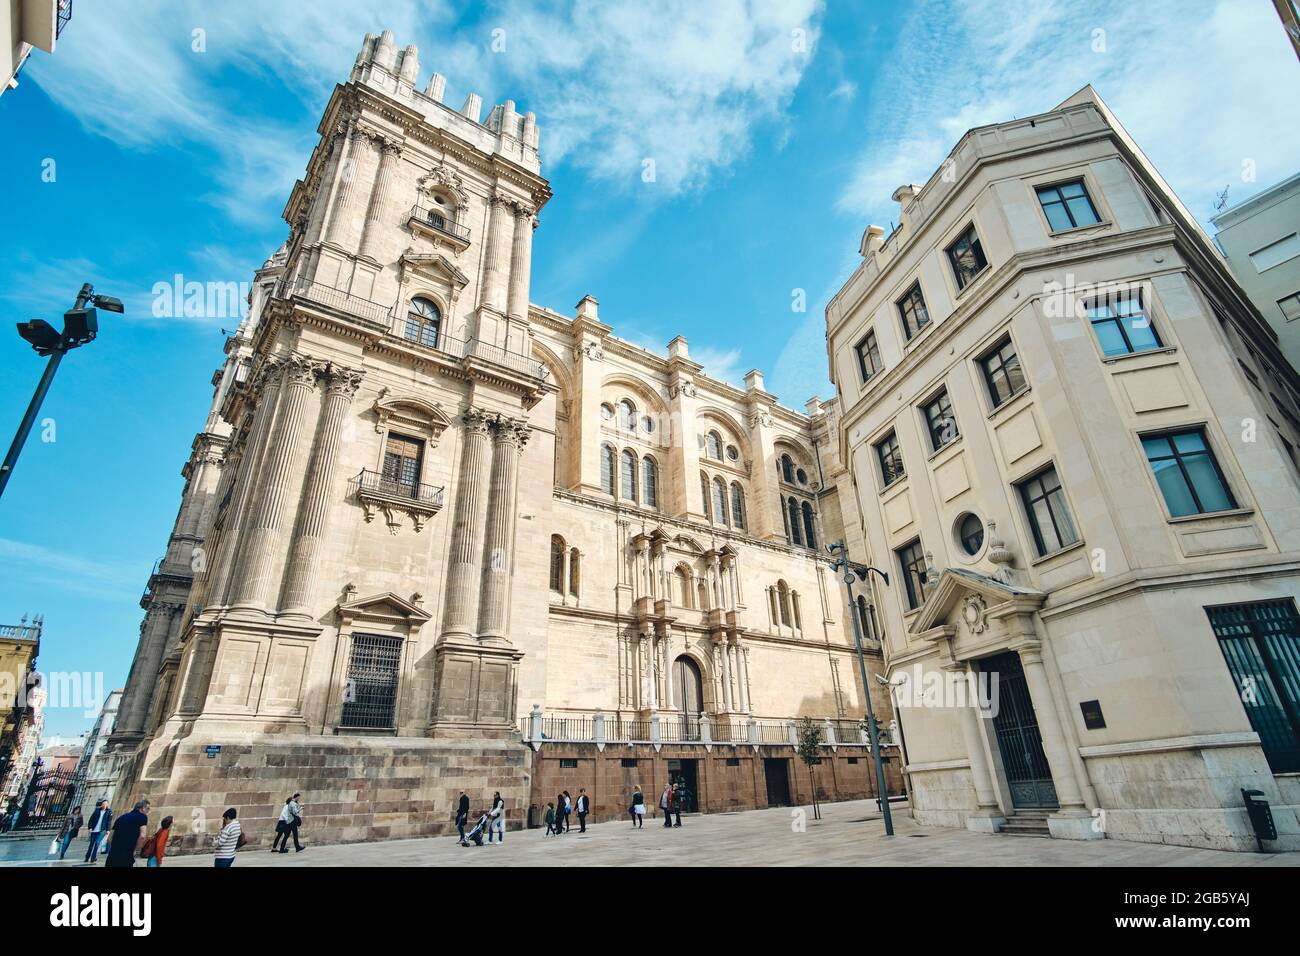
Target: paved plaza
850, 834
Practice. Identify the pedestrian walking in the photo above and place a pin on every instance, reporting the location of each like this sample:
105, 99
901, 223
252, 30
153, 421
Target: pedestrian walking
498, 814
100, 820
462, 816
287, 826
666, 804
559, 813
679, 797
156, 845
584, 807
568, 810
230, 839
127, 836
550, 820
71, 827
638, 808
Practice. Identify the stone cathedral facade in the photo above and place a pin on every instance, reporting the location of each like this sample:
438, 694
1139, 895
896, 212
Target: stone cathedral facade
436, 538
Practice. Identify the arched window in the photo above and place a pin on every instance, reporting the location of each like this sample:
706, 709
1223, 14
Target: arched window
575, 574
607, 469
423, 320
627, 416
649, 482
683, 587
798, 614
713, 445
719, 501
627, 476
702, 596
783, 602
737, 505
557, 563
771, 602
787, 468
704, 496
864, 617
792, 508
809, 530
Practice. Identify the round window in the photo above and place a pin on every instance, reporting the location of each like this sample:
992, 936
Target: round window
970, 532
732, 452
607, 412
647, 423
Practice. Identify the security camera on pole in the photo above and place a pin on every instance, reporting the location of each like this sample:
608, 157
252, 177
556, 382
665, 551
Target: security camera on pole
851, 573
80, 325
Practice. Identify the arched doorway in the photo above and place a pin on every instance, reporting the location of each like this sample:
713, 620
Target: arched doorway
690, 689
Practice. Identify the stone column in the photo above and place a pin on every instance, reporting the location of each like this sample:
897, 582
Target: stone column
566, 575
509, 437
725, 655
144, 670
376, 213
233, 528
644, 665
642, 568
349, 198
466, 554
671, 693
499, 239
320, 203
253, 584
987, 816
742, 674
313, 515
521, 256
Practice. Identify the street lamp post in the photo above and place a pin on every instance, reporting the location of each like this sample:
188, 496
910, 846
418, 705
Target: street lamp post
80, 325
851, 573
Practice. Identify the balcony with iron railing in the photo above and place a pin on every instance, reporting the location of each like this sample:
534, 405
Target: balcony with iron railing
64, 17
354, 306
677, 729
432, 219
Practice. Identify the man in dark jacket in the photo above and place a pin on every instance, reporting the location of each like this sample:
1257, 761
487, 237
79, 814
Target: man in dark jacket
98, 825
462, 815
583, 808
128, 835
71, 827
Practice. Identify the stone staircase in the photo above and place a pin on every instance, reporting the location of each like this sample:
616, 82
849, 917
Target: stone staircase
1027, 823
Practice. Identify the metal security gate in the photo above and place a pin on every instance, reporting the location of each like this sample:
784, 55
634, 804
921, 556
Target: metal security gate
690, 687
1261, 643
370, 694
49, 798
1019, 741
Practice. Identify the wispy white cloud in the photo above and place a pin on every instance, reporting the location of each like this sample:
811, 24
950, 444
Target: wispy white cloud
43, 570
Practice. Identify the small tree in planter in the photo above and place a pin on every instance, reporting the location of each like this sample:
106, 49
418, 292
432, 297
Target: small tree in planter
809, 750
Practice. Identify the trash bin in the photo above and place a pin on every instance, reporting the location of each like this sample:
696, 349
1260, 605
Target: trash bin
532, 817
1261, 816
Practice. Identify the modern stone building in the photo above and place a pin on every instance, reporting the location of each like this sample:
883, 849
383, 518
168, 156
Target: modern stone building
1073, 442
436, 538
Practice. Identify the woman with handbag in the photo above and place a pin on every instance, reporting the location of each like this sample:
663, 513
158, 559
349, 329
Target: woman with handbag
638, 808
156, 845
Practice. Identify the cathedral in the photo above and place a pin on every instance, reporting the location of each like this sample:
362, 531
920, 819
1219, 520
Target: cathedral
434, 537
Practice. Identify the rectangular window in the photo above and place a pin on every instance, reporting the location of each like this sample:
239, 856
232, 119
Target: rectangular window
1067, 206
853, 760
1002, 372
967, 257
402, 460
1276, 253
370, 693
1122, 325
628, 762
1049, 515
911, 561
1187, 473
1261, 645
891, 459
912, 310
868, 353
940, 421
733, 761
1290, 306
1250, 375
568, 763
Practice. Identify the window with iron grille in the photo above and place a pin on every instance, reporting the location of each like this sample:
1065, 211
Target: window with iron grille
940, 421
1048, 513
912, 310
1261, 645
912, 561
868, 352
1122, 325
402, 456
1067, 206
568, 763
1188, 473
628, 762
891, 459
733, 761
1002, 372
370, 694
967, 257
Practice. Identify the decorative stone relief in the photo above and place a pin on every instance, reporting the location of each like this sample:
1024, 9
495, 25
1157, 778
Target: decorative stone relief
974, 614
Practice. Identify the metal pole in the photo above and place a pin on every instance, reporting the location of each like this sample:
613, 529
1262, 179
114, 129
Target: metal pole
871, 714
29, 419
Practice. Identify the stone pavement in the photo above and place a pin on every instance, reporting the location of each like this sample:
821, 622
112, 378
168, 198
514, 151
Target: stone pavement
850, 834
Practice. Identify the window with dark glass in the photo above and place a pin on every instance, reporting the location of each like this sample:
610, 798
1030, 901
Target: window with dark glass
704, 495
792, 510
868, 352
1188, 473
1002, 372
607, 469
713, 445
967, 257
627, 476
402, 457
891, 459
737, 505
1122, 325
787, 468
971, 534
940, 421
911, 561
423, 321
912, 310
1261, 645
809, 525
1067, 206
649, 482
1048, 513
558, 549
719, 501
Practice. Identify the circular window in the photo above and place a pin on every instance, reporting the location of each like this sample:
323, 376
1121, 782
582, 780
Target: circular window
802, 476
647, 423
970, 532
732, 452
607, 412
439, 200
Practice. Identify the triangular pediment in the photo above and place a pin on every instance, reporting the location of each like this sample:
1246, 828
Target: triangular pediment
385, 605
955, 584
436, 265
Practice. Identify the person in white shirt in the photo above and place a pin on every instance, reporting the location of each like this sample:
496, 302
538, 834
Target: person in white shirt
225, 843
287, 825
498, 815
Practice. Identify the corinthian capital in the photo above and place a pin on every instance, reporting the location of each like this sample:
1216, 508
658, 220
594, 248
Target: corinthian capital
477, 420
511, 431
343, 380
301, 370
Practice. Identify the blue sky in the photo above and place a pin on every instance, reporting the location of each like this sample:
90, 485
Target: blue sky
173, 152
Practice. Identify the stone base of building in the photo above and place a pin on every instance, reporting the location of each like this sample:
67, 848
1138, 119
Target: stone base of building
985, 822
725, 777
354, 788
